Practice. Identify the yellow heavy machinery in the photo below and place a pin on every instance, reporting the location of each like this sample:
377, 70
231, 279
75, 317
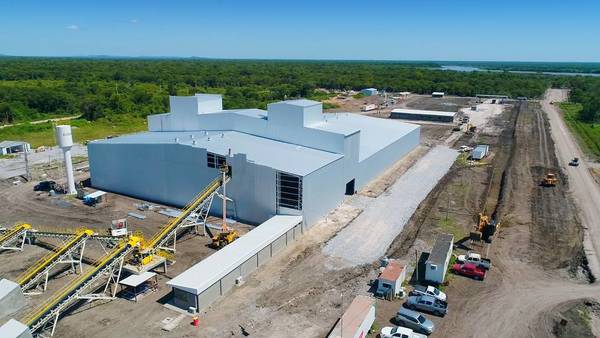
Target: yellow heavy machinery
485, 228
549, 180
227, 235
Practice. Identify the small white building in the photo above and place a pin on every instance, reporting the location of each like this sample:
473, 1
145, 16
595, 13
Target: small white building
436, 265
12, 147
393, 276
369, 92
357, 320
437, 94
480, 152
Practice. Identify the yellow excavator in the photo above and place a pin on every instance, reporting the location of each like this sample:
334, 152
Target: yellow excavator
487, 227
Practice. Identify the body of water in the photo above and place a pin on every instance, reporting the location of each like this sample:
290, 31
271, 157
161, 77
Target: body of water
477, 69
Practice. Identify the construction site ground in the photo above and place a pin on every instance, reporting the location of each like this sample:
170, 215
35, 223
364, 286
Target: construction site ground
539, 277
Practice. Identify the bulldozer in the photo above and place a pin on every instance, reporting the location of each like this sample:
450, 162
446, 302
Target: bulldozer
549, 180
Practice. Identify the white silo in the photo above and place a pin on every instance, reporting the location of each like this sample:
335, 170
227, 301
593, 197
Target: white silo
64, 138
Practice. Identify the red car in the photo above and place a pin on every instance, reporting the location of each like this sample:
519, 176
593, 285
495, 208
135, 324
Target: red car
469, 270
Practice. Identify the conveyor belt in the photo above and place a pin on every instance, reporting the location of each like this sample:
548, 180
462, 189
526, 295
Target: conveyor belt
163, 235
13, 234
68, 295
43, 266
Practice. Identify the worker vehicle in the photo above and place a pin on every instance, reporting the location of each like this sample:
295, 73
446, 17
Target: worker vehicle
414, 320
399, 332
464, 149
549, 180
476, 259
428, 304
45, 186
420, 290
486, 227
574, 162
223, 238
469, 270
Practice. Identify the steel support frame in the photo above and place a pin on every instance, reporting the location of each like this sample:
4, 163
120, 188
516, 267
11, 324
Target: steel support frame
77, 250
19, 239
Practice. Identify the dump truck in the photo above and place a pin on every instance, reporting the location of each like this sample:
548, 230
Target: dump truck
549, 180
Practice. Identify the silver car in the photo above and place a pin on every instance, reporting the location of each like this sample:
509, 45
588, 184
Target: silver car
414, 320
428, 304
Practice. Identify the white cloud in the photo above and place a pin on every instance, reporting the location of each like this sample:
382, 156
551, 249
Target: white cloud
134, 21
73, 27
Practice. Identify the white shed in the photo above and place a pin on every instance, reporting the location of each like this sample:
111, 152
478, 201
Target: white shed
357, 320
11, 147
437, 94
436, 265
393, 275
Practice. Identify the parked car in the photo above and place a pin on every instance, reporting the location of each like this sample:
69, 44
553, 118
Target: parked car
414, 320
399, 332
428, 291
469, 270
44, 186
427, 304
465, 149
574, 162
476, 259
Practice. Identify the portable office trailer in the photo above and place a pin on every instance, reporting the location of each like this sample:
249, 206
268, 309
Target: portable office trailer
436, 265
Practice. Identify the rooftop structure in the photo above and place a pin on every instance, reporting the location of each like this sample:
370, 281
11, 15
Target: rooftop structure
436, 265
291, 159
480, 152
357, 320
423, 115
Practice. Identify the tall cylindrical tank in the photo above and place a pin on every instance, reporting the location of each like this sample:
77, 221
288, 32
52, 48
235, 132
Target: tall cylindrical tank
64, 139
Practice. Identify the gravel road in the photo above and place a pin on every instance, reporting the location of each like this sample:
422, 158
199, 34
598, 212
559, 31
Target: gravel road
367, 238
12, 167
584, 189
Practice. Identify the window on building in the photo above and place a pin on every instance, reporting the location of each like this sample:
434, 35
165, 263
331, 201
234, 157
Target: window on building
214, 160
289, 191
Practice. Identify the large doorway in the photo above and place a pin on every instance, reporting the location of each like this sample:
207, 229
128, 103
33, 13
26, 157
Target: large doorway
350, 188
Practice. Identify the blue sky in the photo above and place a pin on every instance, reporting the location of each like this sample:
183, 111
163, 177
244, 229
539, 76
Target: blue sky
505, 30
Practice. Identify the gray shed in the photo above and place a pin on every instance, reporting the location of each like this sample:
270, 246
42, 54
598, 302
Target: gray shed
436, 265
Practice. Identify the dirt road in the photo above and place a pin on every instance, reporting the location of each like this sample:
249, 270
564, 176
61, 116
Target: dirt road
584, 189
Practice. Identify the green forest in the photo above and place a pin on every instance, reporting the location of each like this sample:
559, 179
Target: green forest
120, 93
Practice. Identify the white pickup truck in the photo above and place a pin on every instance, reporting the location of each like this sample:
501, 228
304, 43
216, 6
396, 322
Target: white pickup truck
476, 259
428, 291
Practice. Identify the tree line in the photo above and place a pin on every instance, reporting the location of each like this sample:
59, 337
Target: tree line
37, 88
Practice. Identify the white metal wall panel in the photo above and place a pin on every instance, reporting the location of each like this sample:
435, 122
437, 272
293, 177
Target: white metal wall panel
264, 255
249, 266
209, 295
228, 282
278, 245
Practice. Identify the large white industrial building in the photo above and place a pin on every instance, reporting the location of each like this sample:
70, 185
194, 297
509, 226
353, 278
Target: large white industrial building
289, 160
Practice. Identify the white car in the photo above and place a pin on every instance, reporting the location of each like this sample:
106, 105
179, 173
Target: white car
429, 291
464, 149
399, 332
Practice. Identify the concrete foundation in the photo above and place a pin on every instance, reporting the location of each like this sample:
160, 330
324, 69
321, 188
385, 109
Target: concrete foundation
11, 298
15, 329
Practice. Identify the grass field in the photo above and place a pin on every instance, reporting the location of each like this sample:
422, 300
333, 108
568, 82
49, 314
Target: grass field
588, 134
43, 134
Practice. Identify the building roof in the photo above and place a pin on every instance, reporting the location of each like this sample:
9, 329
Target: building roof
8, 144
282, 156
13, 328
216, 266
424, 112
370, 89
392, 271
375, 134
135, 280
437, 93
301, 102
442, 246
480, 151
353, 317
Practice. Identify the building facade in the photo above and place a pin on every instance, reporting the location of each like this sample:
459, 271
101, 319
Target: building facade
289, 160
